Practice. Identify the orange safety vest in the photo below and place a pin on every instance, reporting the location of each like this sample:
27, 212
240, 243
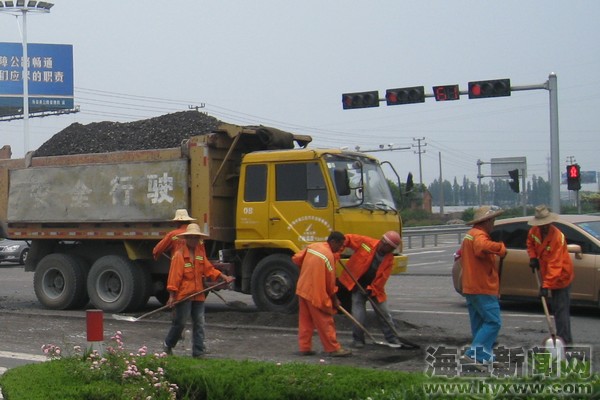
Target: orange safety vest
170, 242
478, 257
364, 252
316, 282
556, 265
186, 274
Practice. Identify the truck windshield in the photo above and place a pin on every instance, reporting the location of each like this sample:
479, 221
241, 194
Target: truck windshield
368, 186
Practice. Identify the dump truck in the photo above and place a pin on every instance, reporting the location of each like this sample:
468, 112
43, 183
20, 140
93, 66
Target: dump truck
259, 193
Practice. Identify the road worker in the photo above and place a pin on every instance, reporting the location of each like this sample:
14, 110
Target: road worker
481, 285
370, 265
171, 242
189, 268
547, 249
316, 295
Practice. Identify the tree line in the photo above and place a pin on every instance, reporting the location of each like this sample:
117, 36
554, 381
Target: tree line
496, 192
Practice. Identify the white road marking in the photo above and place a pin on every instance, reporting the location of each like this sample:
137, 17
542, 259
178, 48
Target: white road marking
463, 313
22, 356
429, 264
426, 252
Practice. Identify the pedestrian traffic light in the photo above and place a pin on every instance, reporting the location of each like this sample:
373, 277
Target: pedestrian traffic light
573, 177
514, 180
492, 88
407, 95
360, 100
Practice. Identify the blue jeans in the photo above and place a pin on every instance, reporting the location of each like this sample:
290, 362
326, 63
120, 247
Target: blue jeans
180, 313
359, 311
484, 313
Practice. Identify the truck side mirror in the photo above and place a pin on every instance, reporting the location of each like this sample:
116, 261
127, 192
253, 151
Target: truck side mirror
342, 182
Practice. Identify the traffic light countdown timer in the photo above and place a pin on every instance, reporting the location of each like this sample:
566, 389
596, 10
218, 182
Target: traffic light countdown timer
573, 177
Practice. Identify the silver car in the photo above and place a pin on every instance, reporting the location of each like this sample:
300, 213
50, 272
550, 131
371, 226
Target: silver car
13, 250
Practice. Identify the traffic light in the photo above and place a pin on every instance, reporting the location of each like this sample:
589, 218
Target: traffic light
573, 177
360, 100
514, 180
493, 88
407, 95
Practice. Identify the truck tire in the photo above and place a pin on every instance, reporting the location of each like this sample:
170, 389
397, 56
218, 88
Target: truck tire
59, 282
116, 284
274, 284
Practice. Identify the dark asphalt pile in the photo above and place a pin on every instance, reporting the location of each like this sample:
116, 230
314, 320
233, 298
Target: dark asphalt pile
162, 132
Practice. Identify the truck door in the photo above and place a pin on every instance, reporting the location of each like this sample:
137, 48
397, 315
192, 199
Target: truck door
300, 207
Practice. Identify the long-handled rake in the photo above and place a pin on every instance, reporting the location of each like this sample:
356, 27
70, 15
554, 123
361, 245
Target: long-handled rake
405, 343
135, 319
362, 327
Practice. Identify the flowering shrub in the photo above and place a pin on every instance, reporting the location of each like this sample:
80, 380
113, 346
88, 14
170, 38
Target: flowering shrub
142, 375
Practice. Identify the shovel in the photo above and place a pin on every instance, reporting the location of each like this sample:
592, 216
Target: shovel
135, 319
405, 343
554, 344
361, 326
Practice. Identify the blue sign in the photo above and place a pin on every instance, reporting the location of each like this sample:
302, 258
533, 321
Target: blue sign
50, 77
586, 177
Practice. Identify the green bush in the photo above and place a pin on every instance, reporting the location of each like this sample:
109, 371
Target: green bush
118, 374
211, 379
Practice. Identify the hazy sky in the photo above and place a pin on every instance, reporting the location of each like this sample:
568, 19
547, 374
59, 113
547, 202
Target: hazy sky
286, 64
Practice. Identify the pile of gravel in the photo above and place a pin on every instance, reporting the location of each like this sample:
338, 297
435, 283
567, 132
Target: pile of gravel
162, 132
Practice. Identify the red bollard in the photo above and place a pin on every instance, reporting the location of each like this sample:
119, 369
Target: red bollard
95, 325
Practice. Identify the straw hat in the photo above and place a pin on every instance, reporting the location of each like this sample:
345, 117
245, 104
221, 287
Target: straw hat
484, 213
193, 230
542, 216
182, 215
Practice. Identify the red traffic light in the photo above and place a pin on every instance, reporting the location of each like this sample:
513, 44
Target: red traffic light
360, 100
573, 171
491, 88
573, 177
407, 95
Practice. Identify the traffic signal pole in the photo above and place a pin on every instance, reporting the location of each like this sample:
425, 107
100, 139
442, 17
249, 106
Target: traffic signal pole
551, 86
477, 90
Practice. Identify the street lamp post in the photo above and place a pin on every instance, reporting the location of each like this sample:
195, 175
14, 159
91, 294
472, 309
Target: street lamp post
23, 7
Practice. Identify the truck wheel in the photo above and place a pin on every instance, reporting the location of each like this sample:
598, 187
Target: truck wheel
116, 284
59, 282
274, 284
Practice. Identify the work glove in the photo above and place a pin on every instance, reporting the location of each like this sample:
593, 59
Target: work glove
534, 264
544, 292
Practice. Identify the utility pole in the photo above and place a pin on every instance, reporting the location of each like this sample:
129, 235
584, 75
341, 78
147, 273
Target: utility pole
419, 152
441, 187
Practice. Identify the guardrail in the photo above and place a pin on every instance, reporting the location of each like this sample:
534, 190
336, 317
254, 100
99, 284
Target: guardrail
434, 231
